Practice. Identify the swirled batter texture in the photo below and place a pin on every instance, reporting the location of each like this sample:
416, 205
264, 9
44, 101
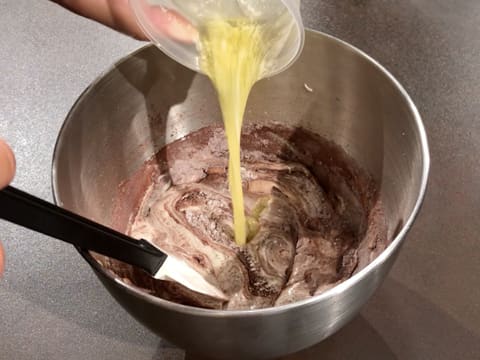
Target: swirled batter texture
314, 216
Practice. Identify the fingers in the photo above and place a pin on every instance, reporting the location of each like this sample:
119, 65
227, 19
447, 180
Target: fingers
7, 164
115, 14
118, 15
122, 19
7, 171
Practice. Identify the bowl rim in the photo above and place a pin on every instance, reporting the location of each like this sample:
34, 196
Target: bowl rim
343, 286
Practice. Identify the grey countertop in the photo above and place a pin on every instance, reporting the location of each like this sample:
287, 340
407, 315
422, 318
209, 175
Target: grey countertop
53, 307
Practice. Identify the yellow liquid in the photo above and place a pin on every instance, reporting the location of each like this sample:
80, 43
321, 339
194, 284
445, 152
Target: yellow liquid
233, 53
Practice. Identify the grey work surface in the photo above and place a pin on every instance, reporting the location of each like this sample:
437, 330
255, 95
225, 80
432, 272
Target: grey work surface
53, 307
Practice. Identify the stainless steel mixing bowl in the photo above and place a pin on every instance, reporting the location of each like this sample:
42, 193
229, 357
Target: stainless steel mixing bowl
147, 100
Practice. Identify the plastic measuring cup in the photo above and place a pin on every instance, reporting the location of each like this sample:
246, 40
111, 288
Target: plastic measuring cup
172, 26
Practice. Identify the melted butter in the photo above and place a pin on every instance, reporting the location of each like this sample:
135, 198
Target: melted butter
233, 55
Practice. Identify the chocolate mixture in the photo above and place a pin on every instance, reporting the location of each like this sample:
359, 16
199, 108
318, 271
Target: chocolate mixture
314, 217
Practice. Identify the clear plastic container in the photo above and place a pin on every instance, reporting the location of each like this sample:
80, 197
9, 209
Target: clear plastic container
173, 25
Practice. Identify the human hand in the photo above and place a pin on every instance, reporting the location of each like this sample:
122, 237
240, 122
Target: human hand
117, 15
7, 171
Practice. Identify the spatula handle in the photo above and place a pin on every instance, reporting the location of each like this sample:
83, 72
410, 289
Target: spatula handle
36, 214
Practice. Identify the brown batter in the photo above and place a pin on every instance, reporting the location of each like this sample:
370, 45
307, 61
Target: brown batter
314, 217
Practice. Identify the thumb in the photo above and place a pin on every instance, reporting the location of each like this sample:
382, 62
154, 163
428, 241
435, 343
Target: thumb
7, 170
7, 164
171, 24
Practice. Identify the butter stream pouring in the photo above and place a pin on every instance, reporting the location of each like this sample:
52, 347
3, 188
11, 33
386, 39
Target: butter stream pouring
235, 55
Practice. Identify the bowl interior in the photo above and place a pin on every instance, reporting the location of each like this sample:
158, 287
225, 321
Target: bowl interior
147, 101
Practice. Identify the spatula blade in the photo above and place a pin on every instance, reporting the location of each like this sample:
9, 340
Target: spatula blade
174, 269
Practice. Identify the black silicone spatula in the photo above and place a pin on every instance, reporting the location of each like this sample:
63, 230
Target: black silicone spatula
36, 214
